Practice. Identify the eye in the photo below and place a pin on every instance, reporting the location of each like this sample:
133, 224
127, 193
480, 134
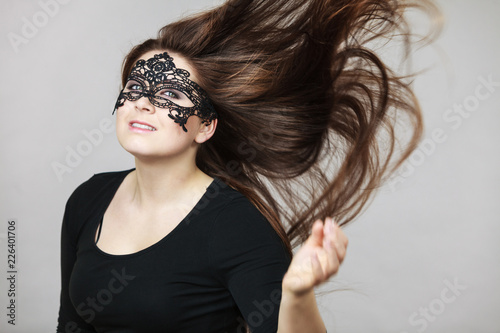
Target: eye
174, 96
134, 86
170, 94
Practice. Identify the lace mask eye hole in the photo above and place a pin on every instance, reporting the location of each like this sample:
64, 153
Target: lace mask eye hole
134, 88
173, 95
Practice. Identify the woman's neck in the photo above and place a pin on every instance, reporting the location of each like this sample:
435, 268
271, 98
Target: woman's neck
155, 184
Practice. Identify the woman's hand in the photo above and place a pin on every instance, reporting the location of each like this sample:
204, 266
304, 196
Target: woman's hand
317, 260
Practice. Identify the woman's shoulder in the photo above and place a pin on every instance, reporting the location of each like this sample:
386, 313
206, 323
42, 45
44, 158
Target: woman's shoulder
97, 184
104, 178
236, 213
219, 188
230, 200
108, 176
242, 238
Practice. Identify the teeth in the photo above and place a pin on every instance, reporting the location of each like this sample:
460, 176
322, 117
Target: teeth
146, 127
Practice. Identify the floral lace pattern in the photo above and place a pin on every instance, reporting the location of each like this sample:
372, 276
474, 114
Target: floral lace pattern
157, 76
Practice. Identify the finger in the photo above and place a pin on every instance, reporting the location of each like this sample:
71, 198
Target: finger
317, 234
327, 232
341, 241
319, 272
331, 248
341, 235
334, 243
333, 262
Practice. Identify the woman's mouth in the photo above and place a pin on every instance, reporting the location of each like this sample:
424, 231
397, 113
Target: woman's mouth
141, 127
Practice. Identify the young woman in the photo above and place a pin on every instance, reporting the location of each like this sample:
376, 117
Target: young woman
233, 117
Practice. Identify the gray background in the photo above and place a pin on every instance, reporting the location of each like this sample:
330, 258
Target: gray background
435, 226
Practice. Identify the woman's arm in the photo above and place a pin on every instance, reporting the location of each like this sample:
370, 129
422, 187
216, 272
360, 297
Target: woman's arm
68, 320
249, 258
316, 261
299, 314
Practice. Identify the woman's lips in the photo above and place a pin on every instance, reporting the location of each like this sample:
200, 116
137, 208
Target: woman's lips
141, 127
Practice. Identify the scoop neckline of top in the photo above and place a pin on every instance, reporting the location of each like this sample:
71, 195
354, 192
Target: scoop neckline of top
151, 247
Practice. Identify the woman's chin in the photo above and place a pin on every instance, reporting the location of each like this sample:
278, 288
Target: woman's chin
147, 154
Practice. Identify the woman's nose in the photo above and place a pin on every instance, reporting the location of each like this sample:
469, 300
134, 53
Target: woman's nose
144, 104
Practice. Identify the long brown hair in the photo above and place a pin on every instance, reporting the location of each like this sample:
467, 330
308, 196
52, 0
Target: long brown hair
308, 113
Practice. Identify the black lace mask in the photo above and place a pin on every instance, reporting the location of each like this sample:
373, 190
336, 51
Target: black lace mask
167, 87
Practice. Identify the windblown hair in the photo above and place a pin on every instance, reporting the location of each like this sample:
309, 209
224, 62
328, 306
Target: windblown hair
308, 112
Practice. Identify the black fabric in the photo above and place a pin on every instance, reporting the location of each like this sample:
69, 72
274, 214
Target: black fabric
223, 262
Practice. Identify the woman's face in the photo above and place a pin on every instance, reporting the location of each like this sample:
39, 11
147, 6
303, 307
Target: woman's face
157, 110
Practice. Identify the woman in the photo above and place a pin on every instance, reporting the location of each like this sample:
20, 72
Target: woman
222, 109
